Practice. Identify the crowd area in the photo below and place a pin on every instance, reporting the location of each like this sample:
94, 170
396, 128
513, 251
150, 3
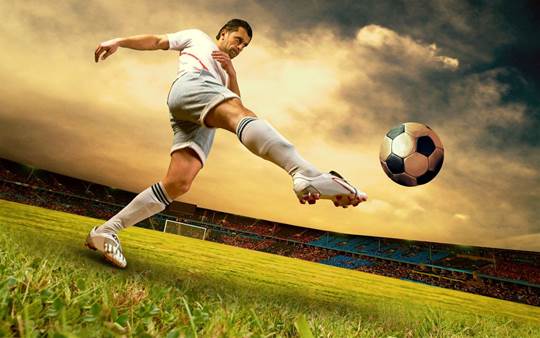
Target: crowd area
467, 282
513, 270
260, 227
241, 241
440, 277
36, 178
275, 246
57, 192
476, 266
56, 201
498, 264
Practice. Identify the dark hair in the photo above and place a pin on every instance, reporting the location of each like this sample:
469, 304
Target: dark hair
232, 26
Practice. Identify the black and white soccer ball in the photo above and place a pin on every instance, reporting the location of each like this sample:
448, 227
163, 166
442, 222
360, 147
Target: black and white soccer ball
411, 154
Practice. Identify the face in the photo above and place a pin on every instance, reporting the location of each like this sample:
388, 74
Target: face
233, 42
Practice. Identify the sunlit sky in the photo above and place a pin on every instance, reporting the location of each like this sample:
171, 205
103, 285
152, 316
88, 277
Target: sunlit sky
333, 77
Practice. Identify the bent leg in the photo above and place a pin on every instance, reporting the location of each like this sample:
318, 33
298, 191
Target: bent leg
227, 115
184, 166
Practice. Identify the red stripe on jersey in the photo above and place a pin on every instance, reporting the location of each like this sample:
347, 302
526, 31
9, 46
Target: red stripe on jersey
202, 64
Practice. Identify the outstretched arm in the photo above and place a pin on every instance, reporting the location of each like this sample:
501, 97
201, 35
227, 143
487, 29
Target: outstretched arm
138, 42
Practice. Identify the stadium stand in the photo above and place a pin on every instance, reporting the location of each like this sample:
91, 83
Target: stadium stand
346, 262
513, 271
506, 274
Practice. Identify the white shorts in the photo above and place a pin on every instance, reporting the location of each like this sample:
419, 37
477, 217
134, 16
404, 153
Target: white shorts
192, 96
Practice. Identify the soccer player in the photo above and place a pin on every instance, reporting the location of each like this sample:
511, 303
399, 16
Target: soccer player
205, 96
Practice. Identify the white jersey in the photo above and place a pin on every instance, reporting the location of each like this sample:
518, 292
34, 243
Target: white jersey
196, 49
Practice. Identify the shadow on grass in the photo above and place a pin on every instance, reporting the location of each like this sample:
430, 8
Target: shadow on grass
197, 284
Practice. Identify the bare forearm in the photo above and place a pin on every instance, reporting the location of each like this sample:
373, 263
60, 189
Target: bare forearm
233, 84
144, 42
225, 61
138, 42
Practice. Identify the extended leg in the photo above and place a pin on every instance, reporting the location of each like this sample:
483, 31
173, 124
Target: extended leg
264, 141
259, 137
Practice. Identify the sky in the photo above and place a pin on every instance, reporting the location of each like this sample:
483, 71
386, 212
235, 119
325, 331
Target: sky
332, 76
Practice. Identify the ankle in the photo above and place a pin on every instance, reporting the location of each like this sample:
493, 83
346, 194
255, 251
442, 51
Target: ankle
107, 229
307, 172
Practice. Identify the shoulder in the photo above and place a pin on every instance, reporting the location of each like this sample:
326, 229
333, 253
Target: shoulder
187, 38
192, 32
198, 34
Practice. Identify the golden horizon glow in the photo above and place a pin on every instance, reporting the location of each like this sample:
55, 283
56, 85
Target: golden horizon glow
332, 96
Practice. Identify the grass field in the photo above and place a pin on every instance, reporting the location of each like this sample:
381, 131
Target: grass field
175, 286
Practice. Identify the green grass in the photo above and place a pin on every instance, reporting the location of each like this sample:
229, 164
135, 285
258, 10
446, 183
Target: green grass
50, 285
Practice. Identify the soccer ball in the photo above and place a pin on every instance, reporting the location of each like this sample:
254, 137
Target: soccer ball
411, 154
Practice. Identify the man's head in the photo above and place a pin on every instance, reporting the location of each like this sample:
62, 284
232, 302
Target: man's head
234, 36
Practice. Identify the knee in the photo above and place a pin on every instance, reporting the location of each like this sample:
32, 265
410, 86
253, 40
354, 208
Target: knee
183, 186
242, 112
239, 112
227, 115
176, 187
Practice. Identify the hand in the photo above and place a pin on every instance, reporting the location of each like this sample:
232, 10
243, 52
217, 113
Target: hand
108, 47
225, 60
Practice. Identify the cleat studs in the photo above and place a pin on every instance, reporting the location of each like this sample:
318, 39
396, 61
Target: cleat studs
336, 204
311, 201
302, 201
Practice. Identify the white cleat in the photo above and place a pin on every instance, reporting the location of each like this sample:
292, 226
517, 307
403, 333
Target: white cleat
330, 186
108, 245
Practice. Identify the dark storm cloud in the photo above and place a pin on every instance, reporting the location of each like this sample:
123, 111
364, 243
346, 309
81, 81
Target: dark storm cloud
482, 35
479, 126
455, 24
497, 35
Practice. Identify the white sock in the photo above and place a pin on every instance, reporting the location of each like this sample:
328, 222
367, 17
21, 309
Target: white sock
149, 202
266, 142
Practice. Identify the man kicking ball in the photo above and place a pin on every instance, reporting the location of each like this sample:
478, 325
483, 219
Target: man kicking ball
205, 96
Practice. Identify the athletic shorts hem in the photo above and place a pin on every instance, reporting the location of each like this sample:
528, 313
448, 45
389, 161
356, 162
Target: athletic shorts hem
194, 146
213, 103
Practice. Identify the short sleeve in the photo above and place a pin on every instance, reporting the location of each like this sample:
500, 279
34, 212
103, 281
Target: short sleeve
180, 40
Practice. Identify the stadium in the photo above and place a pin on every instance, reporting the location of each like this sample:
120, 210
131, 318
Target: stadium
498, 273
270, 169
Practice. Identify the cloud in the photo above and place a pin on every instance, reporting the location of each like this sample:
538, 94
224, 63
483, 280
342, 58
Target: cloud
462, 217
403, 48
333, 95
528, 242
387, 79
378, 206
